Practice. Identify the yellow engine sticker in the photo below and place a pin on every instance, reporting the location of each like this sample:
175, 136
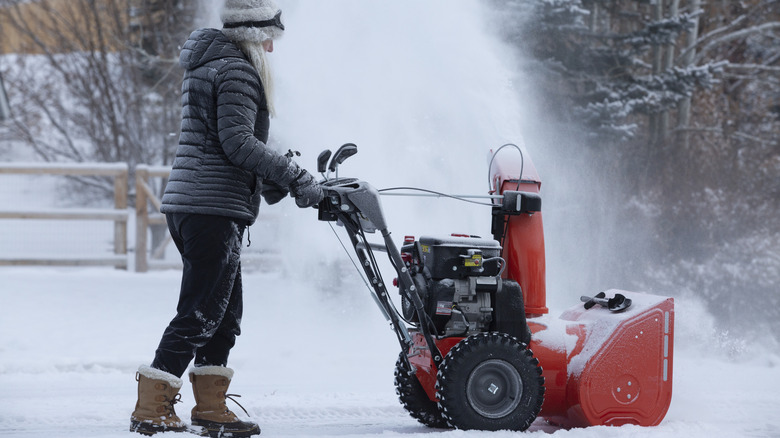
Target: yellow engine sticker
473, 262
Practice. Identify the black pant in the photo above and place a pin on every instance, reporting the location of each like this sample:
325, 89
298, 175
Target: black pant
209, 312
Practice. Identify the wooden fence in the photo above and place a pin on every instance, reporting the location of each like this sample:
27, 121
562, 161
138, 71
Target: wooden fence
119, 214
147, 215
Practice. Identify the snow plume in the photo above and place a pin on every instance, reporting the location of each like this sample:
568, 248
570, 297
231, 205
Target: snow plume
583, 235
424, 91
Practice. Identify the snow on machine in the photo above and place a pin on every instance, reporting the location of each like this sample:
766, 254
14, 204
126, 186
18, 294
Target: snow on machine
479, 349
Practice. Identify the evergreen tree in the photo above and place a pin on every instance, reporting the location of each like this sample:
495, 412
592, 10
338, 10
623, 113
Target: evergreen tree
679, 98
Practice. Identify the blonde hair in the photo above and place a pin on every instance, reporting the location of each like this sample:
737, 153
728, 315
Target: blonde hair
256, 54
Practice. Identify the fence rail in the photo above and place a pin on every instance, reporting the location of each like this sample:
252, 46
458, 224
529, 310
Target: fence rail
75, 214
119, 214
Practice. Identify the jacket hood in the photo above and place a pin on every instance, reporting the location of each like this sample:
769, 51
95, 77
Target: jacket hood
206, 45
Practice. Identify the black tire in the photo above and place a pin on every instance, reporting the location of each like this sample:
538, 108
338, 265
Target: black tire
414, 399
490, 381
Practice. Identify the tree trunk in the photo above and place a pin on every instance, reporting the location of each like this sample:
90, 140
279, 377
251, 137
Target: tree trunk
5, 110
668, 63
656, 120
684, 107
594, 18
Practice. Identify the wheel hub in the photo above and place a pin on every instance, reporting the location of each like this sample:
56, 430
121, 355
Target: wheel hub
494, 388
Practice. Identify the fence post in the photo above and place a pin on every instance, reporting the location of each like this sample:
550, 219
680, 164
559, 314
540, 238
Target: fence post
141, 218
120, 203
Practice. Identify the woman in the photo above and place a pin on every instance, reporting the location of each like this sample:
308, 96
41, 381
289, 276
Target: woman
222, 167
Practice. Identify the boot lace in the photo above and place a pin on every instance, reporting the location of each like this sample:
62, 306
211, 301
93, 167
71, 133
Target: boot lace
230, 396
173, 401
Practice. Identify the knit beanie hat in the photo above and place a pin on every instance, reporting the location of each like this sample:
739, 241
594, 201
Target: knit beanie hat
251, 20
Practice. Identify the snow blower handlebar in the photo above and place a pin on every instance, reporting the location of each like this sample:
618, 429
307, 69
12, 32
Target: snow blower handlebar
355, 204
342, 153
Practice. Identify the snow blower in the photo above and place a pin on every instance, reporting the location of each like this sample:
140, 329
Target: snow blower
479, 349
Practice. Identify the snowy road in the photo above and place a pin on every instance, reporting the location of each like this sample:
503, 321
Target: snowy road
306, 364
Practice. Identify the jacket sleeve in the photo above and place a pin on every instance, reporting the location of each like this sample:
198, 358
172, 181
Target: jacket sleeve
238, 93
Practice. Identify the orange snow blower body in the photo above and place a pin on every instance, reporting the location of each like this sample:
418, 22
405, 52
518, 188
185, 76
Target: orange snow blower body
479, 349
600, 367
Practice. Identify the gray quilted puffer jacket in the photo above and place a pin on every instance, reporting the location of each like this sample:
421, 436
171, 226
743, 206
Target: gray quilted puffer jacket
222, 158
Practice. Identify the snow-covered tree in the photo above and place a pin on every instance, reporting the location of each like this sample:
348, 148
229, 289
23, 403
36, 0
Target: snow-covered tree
611, 57
95, 80
680, 99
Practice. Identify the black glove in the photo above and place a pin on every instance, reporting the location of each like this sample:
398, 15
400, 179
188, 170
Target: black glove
306, 191
273, 193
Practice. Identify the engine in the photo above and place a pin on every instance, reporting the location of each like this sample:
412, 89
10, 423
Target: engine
458, 281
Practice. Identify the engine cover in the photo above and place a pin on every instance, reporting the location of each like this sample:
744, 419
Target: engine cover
458, 257
458, 282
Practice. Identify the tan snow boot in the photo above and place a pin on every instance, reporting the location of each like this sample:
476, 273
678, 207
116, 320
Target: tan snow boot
210, 385
158, 391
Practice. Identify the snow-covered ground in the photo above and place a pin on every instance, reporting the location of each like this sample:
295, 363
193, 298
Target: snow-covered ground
307, 364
